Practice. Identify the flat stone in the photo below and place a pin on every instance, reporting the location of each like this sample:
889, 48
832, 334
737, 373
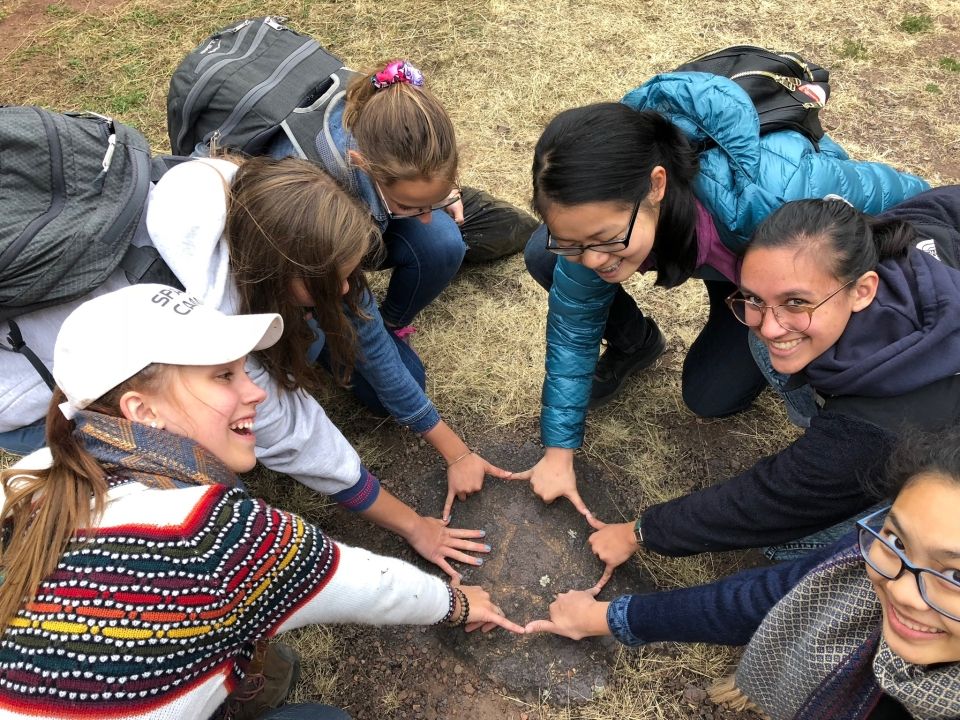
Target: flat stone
537, 552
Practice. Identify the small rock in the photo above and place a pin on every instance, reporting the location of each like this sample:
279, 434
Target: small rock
457, 669
544, 581
694, 695
524, 716
469, 689
504, 129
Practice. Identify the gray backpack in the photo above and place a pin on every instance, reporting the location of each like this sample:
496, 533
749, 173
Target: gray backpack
247, 83
74, 187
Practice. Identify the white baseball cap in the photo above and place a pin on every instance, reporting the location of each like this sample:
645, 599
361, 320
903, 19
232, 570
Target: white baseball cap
112, 337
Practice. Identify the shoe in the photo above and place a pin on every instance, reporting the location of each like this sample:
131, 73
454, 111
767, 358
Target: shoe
615, 366
271, 675
403, 333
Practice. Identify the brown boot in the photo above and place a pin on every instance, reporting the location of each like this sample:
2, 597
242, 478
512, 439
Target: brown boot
271, 675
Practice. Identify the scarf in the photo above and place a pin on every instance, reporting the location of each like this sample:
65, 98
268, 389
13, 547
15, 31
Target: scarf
819, 654
153, 457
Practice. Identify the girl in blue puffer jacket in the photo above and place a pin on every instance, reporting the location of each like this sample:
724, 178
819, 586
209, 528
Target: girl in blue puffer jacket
622, 189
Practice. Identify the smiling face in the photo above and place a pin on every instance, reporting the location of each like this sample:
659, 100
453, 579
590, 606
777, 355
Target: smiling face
214, 405
923, 525
792, 275
600, 222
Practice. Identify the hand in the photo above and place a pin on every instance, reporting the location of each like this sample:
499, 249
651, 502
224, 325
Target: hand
554, 477
455, 211
436, 542
614, 544
484, 615
465, 477
576, 615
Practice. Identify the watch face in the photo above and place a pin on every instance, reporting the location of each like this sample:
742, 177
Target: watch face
638, 533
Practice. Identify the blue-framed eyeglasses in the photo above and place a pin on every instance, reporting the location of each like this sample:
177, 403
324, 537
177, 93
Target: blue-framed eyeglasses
941, 592
620, 243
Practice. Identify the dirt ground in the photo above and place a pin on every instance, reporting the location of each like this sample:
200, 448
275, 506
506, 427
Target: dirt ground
504, 68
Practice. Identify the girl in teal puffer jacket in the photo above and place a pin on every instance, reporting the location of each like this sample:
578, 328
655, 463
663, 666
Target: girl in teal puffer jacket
622, 189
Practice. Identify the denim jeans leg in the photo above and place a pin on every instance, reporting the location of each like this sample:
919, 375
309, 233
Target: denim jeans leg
719, 376
800, 401
306, 711
424, 257
24, 440
796, 549
364, 391
626, 328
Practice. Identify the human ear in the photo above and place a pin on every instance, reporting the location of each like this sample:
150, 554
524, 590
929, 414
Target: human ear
135, 407
658, 184
865, 290
359, 160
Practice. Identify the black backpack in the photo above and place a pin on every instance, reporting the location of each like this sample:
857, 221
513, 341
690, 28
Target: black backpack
74, 189
787, 91
245, 84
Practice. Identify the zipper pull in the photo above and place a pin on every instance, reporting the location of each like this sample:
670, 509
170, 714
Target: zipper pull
108, 156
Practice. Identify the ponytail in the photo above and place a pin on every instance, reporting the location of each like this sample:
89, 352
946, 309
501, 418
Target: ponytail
400, 128
605, 153
43, 510
854, 241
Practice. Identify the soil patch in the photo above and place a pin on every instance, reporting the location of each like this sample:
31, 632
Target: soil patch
29, 16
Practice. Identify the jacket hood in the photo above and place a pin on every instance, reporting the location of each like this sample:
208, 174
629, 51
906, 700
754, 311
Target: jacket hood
907, 338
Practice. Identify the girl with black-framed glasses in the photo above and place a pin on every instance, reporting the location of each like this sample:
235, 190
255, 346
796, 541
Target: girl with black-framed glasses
867, 629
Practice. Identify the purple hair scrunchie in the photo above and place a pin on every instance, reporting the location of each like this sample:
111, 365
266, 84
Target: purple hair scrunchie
397, 71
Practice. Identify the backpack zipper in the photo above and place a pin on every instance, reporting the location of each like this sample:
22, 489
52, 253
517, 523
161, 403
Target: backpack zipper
257, 92
790, 83
213, 46
187, 109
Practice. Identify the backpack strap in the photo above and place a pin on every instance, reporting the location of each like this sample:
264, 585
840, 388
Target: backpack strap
17, 345
144, 265
160, 164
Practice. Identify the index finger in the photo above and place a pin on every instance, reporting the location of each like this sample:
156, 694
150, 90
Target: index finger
522, 475
574, 497
499, 472
607, 574
539, 626
506, 624
448, 506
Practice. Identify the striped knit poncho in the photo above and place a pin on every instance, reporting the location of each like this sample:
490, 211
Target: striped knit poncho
153, 615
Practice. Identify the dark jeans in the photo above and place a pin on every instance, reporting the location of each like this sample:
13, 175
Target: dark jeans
24, 440
424, 258
306, 711
719, 377
364, 391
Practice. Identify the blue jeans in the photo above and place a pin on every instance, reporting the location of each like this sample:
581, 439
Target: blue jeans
24, 440
306, 711
361, 388
424, 258
800, 401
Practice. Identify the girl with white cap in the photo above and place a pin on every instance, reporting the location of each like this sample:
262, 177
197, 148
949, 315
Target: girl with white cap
139, 580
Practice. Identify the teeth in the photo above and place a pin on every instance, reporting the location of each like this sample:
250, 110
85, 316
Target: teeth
611, 268
916, 626
785, 345
242, 425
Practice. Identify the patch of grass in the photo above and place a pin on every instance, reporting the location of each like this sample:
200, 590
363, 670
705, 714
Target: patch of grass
126, 101
949, 64
932, 88
59, 10
853, 50
914, 24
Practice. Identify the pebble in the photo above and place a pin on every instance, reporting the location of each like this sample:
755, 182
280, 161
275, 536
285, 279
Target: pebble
469, 689
457, 669
694, 695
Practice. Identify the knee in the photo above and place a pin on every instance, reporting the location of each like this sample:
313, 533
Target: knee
436, 247
540, 262
708, 399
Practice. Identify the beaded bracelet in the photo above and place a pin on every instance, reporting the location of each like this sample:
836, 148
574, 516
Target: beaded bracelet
461, 618
450, 607
451, 464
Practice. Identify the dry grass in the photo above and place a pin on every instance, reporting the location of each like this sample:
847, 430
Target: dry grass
503, 69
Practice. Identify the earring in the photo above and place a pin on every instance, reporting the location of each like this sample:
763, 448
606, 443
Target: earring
153, 423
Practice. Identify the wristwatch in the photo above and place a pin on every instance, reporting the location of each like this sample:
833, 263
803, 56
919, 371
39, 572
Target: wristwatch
638, 532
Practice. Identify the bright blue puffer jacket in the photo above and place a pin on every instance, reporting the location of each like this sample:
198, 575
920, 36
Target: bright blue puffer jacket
741, 180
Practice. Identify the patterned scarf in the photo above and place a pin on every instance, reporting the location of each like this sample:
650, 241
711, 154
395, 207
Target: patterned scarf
156, 458
819, 654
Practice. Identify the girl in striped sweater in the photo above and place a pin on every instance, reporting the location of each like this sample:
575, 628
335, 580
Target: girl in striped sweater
138, 576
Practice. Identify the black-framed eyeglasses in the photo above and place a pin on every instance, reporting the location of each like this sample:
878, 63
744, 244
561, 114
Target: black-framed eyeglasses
454, 197
796, 318
941, 592
605, 247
